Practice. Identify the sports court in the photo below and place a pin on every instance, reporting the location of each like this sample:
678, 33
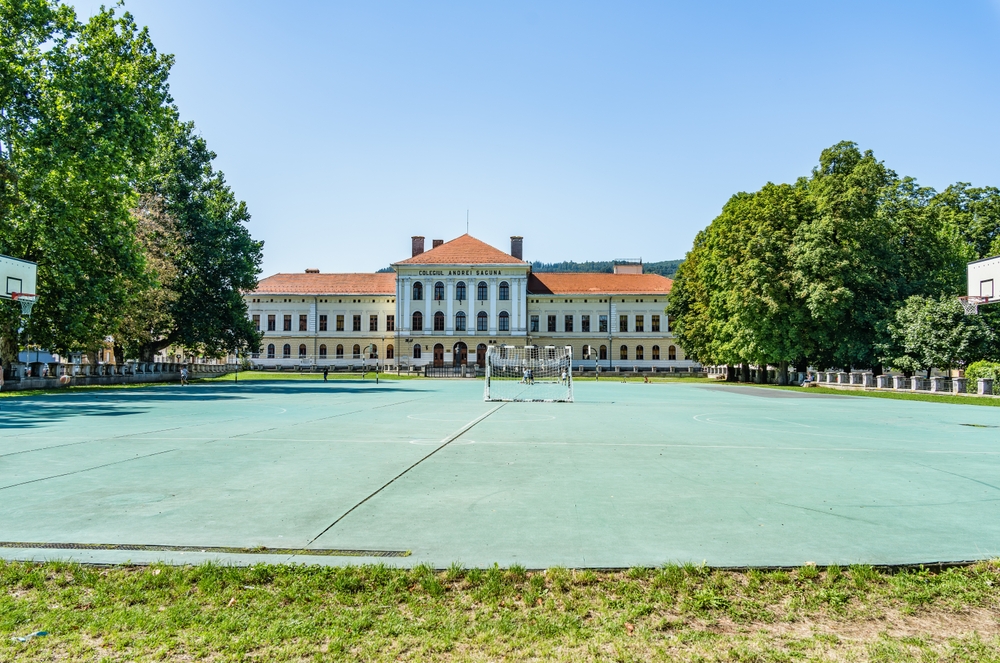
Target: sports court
630, 474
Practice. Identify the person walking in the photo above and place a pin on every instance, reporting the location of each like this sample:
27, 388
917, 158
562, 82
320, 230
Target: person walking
326, 372
184, 375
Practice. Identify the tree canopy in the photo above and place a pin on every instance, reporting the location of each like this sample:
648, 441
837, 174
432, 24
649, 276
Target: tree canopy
819, 272
91, 154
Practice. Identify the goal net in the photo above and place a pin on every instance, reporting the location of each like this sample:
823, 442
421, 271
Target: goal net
529, 373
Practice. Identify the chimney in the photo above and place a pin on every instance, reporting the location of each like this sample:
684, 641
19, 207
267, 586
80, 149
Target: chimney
418, 245
516, 245
312, 271
436, 243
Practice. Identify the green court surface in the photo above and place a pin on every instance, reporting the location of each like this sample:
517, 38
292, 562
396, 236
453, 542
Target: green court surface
407, 472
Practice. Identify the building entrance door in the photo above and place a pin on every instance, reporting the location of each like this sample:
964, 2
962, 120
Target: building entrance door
438, 356
460, 354
481, 355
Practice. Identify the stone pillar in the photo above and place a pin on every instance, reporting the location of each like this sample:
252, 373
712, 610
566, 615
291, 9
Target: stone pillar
470, 324
493, 306
914, 383
958, 386
883, 382
898, 382
449, 320
523, 304
937, 384
403, 304
984, 386
843, 378
428, 314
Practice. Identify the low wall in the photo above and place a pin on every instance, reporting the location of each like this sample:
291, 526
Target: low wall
109, 374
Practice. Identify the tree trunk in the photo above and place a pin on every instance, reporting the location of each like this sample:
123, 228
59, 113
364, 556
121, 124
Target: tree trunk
731, 373
759, 377
119, 355
783, 373
744, 372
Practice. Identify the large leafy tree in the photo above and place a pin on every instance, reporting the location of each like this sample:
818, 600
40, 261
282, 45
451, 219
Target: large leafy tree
212, 262
930, 333
82, 106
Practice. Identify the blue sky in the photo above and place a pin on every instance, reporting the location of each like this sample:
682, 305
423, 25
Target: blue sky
596, 130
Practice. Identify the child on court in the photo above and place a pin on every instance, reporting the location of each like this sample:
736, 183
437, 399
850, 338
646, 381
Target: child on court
326, 371
184, 375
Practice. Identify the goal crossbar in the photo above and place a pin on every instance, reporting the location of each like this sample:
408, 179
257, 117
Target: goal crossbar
529, 374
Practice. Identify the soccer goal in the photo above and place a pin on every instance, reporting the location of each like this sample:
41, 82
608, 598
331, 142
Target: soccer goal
540, 374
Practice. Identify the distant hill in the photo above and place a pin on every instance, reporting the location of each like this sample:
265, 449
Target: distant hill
665, 267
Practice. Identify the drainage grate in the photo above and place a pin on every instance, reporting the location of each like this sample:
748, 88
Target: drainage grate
321, 552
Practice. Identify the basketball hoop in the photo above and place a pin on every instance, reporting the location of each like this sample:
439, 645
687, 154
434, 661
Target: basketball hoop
25, 300
971, 304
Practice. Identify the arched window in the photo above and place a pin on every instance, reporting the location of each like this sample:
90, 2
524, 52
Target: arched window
418, 290
302, 351
504, 291
373, 353
656, 353
439, 321
586, 352
623, 352
286, 351
604, 353
322, 352
552, 352
482, 323
460, 321
482, 291
416, 351
270, 350
460, 291
504, 321
418, 321
390, 352
672, 353
340, 351
639, 353
357, 351
438, 291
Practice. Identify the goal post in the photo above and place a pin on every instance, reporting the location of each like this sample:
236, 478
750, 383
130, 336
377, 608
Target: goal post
529, 374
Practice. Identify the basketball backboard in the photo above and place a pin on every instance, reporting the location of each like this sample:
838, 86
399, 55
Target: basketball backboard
984, 278
17, 277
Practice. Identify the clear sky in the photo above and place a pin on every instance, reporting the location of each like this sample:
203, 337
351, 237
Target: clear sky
596, 130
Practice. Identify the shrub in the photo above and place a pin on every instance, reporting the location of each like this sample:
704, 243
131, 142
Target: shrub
982, 369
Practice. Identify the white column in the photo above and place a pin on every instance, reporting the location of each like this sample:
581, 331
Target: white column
515, 308
470, 324
449, 321
524, 304
403, 296
428, 297
493, 307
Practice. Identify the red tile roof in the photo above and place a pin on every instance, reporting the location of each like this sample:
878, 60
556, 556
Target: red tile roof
584, 283
464, 250
327, 284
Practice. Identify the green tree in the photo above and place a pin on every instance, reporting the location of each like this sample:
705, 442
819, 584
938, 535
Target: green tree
72, 150
215, 260
974, 213
930, 333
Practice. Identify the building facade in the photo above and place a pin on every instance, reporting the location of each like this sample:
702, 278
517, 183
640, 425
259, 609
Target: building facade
447, 305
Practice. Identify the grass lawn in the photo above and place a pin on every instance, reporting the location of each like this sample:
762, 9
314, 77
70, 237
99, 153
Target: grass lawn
894, 395
373, 613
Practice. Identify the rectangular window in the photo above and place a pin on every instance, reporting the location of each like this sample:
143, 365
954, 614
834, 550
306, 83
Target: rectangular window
373, 323
270, 323
340, 323
288, 323
534, 323
654, 323
390, 323
256, 322
602, 324
481, 322
504, 323
303, 323
640, 323
568, 323
623, 323
585, 323
357, 323
552, 323
322, 323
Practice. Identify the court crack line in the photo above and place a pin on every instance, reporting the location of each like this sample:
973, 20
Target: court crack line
445, 442
87, 469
